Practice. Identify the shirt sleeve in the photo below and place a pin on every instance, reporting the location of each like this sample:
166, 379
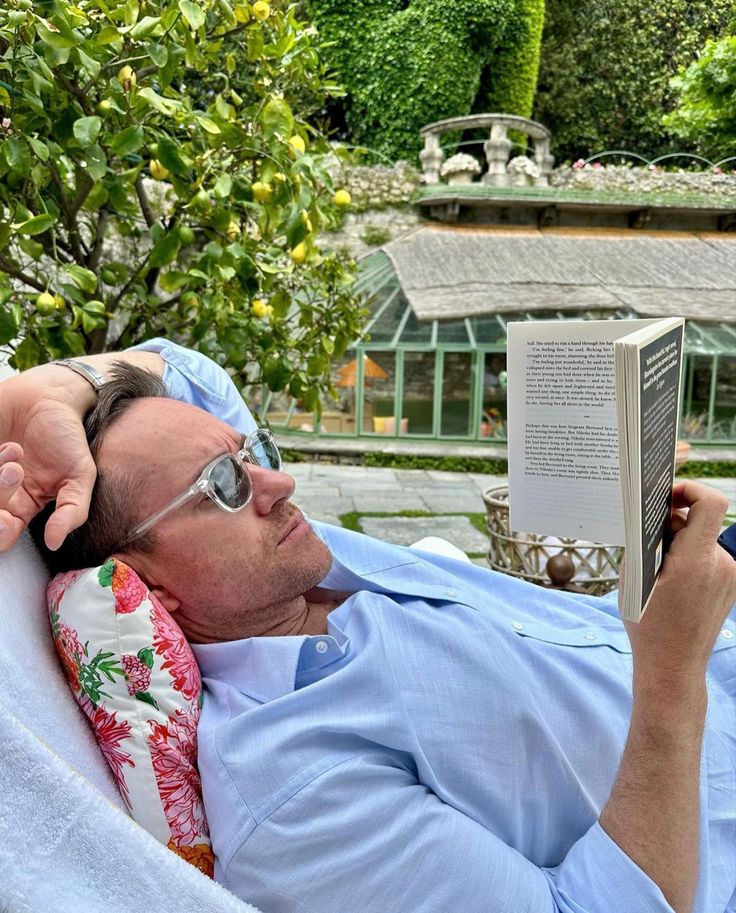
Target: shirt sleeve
367, 836
192, 377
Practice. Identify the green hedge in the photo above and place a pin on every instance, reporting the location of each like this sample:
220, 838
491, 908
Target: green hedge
606, 67
405, 65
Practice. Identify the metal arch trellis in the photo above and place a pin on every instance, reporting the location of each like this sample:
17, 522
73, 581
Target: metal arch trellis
625, 153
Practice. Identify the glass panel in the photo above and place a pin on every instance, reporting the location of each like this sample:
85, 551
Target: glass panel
724, 424
493, 417
457, 385
414, 331
418, 393
452, 331
338, 416
379, 382
694, 420
384, 329
488, 331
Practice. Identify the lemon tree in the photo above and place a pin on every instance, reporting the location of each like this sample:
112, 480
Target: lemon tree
159, 175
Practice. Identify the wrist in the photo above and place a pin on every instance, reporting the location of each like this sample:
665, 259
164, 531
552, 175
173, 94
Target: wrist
670, 703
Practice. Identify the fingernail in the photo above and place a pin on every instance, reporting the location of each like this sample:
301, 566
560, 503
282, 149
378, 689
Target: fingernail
9, 475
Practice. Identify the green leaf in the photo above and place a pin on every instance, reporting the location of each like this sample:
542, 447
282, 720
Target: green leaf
145, 27
26, 355
17, 155
35, 226
277, 119
8, 326
83, 278
88, 64
223, 186
172, 280
129, 140
165, 106
168, 155
165, 250
40, 149
54, 37
207, 124
34, 250
193, 14
146, 698
158, 54
96, 162
86, 130
145, 655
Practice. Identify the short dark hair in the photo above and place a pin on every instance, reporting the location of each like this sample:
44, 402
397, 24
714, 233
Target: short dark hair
112, 508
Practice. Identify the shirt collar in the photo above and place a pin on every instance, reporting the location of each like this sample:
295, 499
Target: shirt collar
265, 668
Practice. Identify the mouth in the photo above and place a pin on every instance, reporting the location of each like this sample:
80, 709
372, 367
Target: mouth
297, 524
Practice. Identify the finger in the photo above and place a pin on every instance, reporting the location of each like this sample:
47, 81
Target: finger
11, 478
72, 508
10, 452
707, 507
10, 529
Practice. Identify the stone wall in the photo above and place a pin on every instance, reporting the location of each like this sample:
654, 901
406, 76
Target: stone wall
646, 179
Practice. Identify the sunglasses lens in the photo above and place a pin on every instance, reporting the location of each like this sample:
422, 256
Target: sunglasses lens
230, 482
264, 451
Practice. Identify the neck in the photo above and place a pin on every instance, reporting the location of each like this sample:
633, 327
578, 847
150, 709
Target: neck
308, 614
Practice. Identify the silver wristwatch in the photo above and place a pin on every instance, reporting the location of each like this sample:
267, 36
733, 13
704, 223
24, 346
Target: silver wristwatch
84, 370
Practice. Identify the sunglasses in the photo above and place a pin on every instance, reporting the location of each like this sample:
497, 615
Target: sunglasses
225, 480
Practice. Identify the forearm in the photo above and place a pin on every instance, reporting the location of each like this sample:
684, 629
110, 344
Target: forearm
654, 810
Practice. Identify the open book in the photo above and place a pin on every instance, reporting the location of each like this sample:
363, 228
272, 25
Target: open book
593, 407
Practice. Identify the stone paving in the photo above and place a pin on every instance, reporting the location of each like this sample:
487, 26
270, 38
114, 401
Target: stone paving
327, 491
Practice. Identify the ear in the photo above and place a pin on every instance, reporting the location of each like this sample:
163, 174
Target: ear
166, 598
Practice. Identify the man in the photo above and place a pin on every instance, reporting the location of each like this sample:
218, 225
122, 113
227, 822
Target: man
385, 730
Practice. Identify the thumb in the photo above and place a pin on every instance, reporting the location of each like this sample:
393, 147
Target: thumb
72, 507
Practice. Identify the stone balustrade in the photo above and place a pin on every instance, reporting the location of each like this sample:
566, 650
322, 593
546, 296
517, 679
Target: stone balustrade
497, 147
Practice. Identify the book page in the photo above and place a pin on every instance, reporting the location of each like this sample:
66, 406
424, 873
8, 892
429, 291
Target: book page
563, 439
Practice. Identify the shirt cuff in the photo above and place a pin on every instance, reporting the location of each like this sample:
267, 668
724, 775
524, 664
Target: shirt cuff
192, 377
597, 877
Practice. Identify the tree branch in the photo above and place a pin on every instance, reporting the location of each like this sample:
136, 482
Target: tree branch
69, 217
18, 273
96, 255
148, 213
75, 90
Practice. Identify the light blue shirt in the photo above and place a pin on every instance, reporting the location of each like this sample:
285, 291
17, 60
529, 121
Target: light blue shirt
446, 747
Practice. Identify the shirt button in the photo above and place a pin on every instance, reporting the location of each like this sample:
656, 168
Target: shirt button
590, 636
320, 646
725, 633
517, 626
451, 594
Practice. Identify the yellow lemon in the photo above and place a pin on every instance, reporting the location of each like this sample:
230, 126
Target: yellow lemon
60, 303
262, 191
279, 176
342, 198
190, 300
158, 171
261, 10
297, 146
127, 77
260, 308
233, 230
299, 253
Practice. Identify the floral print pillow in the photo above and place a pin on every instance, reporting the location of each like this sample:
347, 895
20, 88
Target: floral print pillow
135, 677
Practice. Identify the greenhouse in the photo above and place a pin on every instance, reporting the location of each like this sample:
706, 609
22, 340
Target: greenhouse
432, 359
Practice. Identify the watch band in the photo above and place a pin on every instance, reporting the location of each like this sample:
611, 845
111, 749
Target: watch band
84, 370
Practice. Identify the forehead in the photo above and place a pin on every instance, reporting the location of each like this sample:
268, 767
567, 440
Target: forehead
163, 439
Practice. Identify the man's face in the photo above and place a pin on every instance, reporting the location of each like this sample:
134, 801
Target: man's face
224, 575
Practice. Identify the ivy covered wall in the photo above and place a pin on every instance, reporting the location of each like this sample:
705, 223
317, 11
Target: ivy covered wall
606, 67
406, 64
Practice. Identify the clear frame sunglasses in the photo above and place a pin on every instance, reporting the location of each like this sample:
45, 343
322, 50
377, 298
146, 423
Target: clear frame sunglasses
225, 480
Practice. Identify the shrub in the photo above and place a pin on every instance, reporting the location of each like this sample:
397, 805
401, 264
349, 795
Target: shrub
605, 70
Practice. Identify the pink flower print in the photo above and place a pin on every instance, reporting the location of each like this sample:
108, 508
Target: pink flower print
173, 755
179, 661
109, 734
59, 585
128, 589
70, 652
137, 673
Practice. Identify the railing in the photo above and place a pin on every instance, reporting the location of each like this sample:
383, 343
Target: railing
497, 147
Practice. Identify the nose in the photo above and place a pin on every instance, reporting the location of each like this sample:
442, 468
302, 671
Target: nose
269, 488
